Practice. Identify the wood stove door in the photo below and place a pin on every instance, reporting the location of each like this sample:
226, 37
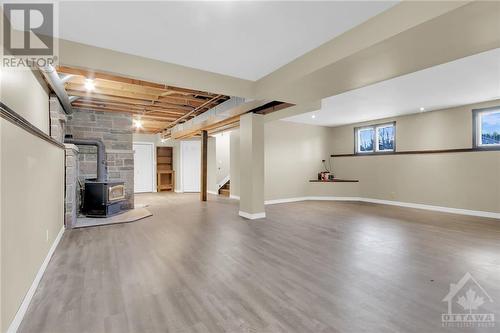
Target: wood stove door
116, 192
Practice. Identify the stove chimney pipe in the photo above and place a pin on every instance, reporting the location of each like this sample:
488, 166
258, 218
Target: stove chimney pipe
102, 172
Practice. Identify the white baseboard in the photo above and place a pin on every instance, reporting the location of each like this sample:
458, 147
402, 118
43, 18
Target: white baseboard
252, 216
235, 197
392, 203
213, 192
18, 318
278, 201
178, 191
451, 210
333, 198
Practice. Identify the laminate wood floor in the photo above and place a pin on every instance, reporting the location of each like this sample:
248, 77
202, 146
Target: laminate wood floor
308, 267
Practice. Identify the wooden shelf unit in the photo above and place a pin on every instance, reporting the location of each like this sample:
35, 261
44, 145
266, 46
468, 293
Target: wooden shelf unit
165, 174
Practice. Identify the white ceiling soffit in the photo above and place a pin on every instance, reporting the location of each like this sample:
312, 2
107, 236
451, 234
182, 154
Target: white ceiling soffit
247, 39
465, 81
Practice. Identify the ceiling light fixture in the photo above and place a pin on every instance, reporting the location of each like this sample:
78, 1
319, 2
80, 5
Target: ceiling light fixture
422, 109
313, 116
137, 123
89, 84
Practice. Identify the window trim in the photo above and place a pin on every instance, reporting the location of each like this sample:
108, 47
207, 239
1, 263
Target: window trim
375, 128
476, 128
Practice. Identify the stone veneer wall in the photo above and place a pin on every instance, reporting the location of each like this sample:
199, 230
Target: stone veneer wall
58, 120
115, 130
71, 190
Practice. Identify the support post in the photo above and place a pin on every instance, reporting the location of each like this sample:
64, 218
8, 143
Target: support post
204, 162
252, 166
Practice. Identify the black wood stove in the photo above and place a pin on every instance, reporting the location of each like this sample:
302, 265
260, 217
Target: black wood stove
101, 198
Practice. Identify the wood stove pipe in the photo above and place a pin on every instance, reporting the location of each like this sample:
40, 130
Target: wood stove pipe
102, 172
57, 85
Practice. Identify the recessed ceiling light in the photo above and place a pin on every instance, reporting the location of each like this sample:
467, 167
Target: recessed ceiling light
422, 109
313, 116
89, 84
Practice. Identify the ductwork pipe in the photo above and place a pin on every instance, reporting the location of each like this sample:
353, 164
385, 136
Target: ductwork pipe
57, 85
102, 172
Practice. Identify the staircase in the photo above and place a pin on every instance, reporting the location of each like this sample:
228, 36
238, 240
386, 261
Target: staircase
224, 190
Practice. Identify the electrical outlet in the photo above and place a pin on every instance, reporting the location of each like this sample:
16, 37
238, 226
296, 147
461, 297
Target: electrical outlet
47, 235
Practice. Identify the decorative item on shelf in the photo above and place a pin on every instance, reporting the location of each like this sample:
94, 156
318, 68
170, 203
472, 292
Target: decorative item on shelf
327, 174
324, 175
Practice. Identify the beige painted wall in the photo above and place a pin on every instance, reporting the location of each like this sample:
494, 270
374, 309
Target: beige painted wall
25, 92
32, 174
459, 180
293, 154
444, 129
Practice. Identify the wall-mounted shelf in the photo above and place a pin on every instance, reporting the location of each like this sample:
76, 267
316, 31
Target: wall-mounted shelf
414, 152
336, 180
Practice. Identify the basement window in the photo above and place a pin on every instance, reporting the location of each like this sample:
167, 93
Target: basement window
487, 128
378, 138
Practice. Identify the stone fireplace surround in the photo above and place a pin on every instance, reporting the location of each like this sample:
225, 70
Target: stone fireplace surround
115, 130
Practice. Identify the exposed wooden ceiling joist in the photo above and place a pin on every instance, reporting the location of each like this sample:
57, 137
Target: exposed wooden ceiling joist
115, 78
158, 106
193, 112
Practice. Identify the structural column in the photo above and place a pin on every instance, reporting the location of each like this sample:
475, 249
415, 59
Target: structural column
204, 166
252, 166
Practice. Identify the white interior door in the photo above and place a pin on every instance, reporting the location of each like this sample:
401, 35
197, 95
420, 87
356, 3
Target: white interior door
143, 167
190, 165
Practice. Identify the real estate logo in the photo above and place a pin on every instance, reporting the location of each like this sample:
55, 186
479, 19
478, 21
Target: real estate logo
28, 35
465, 299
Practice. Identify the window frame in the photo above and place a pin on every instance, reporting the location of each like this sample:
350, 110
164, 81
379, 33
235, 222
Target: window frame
357, 133
476, 128
375, 128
